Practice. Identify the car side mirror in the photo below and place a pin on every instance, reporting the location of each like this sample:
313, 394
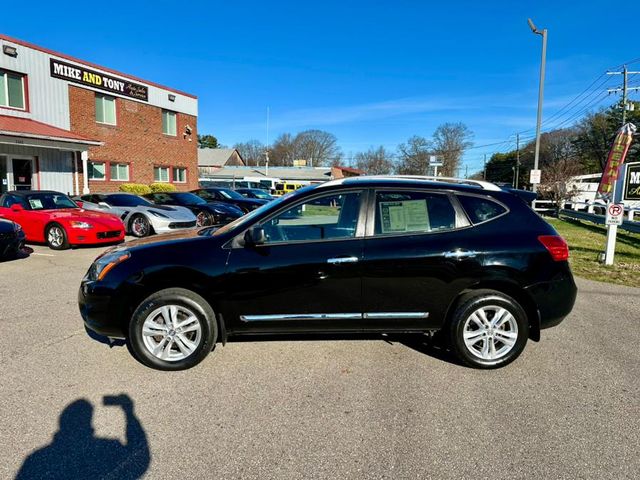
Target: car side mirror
255, 236
79, 203
16, 207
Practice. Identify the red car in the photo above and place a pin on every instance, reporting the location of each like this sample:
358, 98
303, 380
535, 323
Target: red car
53, 218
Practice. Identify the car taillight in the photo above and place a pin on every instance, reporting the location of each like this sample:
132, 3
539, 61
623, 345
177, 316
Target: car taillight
556, 246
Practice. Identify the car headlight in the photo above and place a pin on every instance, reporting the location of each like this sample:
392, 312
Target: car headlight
103, 264
157, 214
83, 225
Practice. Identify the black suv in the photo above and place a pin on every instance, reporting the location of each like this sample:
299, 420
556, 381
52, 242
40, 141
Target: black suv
368, 254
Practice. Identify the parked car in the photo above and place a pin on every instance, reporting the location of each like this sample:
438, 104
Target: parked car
227, 195
140, 216
53, 218
367, 254
11, 239
207, 213
255, 193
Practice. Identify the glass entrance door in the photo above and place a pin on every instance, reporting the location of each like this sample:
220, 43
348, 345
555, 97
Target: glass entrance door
22, 173
4, 179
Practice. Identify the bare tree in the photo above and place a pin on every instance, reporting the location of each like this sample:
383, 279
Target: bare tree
375, 162
450, 141
414, 156
252, 152
318, 147
283, 151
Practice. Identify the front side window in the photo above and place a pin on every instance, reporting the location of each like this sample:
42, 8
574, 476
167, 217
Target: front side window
405, 212
49, 201
169, 123
12, 90
180, 175
120, 172
97, 170
480, 209
332, 217
161, 174
105, 109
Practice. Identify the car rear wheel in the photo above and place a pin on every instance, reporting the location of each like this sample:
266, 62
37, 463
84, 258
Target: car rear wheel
173, 329
56, 237
139, 226
488, 329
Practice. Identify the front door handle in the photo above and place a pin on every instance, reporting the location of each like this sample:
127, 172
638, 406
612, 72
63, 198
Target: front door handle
338, 260
460, 254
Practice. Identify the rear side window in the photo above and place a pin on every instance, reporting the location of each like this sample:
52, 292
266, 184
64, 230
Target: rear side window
480, 209
413, 212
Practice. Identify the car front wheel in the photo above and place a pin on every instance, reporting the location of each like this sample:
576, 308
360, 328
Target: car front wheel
173, 329
488, 329
56, 237
140, 226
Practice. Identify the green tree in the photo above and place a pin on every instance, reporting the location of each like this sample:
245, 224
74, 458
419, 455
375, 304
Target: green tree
207, 141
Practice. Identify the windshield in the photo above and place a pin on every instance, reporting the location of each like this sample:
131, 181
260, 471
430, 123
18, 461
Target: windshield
261, 194
230, 194
244, 220
127, 200
49, 201
188, 199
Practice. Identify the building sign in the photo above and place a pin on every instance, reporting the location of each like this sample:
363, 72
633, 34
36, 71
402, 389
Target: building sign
616, 158
632, 182
101, 81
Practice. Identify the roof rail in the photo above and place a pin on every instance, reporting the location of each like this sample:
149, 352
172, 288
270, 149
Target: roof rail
479, 183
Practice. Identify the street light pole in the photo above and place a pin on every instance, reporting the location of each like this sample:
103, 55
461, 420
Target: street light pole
542, 32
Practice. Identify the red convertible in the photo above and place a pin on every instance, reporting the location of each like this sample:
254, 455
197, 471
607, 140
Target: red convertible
53, 218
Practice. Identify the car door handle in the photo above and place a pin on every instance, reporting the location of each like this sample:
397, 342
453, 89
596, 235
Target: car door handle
460, 254
338, 260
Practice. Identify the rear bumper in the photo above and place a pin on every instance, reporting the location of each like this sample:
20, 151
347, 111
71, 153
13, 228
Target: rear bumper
554, 300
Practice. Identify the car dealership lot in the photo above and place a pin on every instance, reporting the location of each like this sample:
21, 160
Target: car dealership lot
340, 408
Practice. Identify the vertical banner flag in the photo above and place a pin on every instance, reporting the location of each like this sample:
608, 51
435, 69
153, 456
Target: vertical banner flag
615, 159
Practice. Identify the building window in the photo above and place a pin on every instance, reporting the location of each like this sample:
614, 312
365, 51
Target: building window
97, 170
105, 109
12, 90
119, 172
179, 175
169, 123
160, 174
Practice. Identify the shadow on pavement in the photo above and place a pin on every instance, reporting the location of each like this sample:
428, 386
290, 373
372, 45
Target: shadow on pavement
76, 453
23, 253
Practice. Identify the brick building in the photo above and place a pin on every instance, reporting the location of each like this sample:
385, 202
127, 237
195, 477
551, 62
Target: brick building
76, 127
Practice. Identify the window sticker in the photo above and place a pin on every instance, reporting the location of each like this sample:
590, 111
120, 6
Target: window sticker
404, 216
35, 203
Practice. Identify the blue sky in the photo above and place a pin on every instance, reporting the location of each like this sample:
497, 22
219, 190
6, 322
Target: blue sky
372, 73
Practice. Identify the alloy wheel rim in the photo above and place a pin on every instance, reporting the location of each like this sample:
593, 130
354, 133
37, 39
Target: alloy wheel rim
171, 333
55, 236
140, 226
490, 332
201, 219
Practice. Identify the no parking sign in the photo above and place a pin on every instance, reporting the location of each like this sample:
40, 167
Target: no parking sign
615, 214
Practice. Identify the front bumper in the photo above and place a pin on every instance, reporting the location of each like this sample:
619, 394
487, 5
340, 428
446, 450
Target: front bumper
92, 236
98, 311
554, 300
170, 225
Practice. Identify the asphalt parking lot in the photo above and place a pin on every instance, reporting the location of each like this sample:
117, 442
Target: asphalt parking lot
340, 408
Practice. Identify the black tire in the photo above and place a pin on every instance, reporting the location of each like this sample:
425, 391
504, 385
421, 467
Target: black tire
56, 237
179, 297
204, 219
139, 226
491, 302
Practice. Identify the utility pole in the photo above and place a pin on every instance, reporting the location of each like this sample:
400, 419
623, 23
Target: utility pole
484, 168
624, 90
543, 62
466, 171
266, 152
517, 160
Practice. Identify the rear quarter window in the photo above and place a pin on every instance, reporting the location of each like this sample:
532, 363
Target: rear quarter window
480, 209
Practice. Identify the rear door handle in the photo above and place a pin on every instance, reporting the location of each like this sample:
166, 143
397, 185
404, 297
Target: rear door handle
460, 254
338, 260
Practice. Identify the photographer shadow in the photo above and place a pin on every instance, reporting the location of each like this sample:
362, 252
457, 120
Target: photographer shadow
77, 453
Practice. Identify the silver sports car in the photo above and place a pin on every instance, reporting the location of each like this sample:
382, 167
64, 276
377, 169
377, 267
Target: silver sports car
140, 217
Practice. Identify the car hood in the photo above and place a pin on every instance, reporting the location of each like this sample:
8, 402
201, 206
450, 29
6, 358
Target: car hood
6, 226
173, 212
223, 207
165, 238
106, 220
